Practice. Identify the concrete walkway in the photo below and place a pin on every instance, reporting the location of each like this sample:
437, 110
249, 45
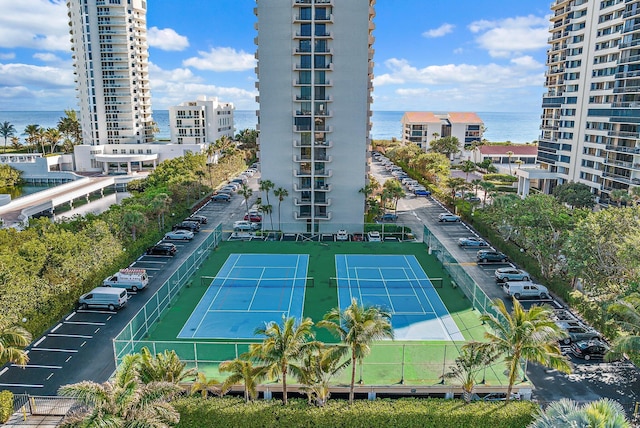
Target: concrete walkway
17, 420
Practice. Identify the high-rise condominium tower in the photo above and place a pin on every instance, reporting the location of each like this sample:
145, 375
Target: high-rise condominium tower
109, 39
591, 111
315, 69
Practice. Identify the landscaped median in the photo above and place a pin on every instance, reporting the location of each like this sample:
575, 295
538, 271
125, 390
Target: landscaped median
397, 413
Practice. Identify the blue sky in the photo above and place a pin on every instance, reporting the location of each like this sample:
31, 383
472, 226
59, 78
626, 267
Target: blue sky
437, 55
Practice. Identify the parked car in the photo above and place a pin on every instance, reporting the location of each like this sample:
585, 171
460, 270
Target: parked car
192, 226
519, 289
448, 217
199, 218
474, 199
588, 349
221, 197
472, 241
422, 192
374, 236
511, 274
388, 217
253, 217
245, 226
164, 248
342, 235
576, 331
179, 235
490, 256
104, 297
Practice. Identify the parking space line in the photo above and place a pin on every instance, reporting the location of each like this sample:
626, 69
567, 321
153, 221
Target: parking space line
56, 327
77, 336
36, 366
68, 358
84, 323
73, 351
39, 341
4, 370
70, 316
89, 311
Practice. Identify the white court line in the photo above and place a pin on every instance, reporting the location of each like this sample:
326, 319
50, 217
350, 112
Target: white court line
36, 366
78, 336
54, 350
22, 385
242, 311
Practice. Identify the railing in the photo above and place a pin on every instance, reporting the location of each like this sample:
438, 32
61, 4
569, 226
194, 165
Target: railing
126, 342
44, 405
479, 300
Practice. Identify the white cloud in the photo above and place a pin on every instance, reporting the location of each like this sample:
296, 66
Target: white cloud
46, 57
166, 39
34, 24
511, 36
9, 55
527, 62
172, 87
221, 59
440, 31
458, 51
31, 75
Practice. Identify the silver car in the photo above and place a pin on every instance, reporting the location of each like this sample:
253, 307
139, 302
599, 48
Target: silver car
511, 274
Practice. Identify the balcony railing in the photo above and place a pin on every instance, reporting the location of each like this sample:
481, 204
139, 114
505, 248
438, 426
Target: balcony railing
623, 149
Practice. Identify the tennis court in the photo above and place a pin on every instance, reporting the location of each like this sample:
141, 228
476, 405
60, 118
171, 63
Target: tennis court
398, 284
249, 290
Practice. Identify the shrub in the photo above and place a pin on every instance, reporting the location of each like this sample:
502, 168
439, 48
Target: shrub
6, 406
401, 413
503, 178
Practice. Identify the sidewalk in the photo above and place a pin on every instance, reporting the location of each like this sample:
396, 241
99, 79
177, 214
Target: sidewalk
17, 420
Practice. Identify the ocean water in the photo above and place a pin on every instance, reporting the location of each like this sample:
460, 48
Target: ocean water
515, 127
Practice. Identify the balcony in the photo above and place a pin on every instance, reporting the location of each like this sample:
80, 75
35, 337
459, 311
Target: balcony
626, 89
618, 178
307, 158
623, 149
307, 216
307, 201
624, 134
628, 165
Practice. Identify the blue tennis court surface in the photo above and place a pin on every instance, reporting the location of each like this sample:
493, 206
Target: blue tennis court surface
249, 290
398, 284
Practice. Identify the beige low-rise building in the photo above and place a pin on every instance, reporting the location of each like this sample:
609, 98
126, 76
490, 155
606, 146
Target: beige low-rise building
422, 127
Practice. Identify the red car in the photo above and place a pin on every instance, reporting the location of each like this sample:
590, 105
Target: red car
253, 217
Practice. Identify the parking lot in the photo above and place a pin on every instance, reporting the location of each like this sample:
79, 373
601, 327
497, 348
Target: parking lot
590, 380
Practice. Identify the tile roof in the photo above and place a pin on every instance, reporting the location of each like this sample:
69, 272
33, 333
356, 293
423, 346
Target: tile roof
464, 117
420, 117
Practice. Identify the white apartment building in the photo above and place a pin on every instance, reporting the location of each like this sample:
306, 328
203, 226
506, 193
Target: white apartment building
315, 75
591, 111
201, 121
421, 127
109, 44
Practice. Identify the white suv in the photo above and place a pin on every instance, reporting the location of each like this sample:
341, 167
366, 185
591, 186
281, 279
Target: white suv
448, 217
519, 289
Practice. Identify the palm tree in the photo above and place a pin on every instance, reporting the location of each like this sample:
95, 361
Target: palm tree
524, 336
266, 186
246, 192
455, 184
467, 167
32, 132
12, 340
267, 210
619, 196
123, 401
203, 386
283, 346
509, 154
567, 413
357, 327
52, 137
69, 127
487, 186
318, 367
15, 142
7, 130
635, 194
243, 371
165, 366
627, 316
280, 193
473, 358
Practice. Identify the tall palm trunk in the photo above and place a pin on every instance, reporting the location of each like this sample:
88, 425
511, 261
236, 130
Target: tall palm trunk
284, 384
353, 378
513, 371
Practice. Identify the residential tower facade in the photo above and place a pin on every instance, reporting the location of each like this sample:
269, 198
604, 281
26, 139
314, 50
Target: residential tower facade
110, 56
591, 110
201, 121
315, 71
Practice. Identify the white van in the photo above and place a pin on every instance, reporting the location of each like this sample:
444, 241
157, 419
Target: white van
520, 289
104, 297
131, 279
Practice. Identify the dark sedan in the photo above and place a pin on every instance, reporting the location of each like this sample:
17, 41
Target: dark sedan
164, 249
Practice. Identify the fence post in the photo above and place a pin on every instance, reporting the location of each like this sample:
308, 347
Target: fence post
402, 375
195, 354
444, 363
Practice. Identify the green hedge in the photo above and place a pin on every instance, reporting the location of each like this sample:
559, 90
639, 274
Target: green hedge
503, 178
6, 406
397, 413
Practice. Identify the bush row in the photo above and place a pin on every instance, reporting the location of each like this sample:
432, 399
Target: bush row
397, 413
6, 406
